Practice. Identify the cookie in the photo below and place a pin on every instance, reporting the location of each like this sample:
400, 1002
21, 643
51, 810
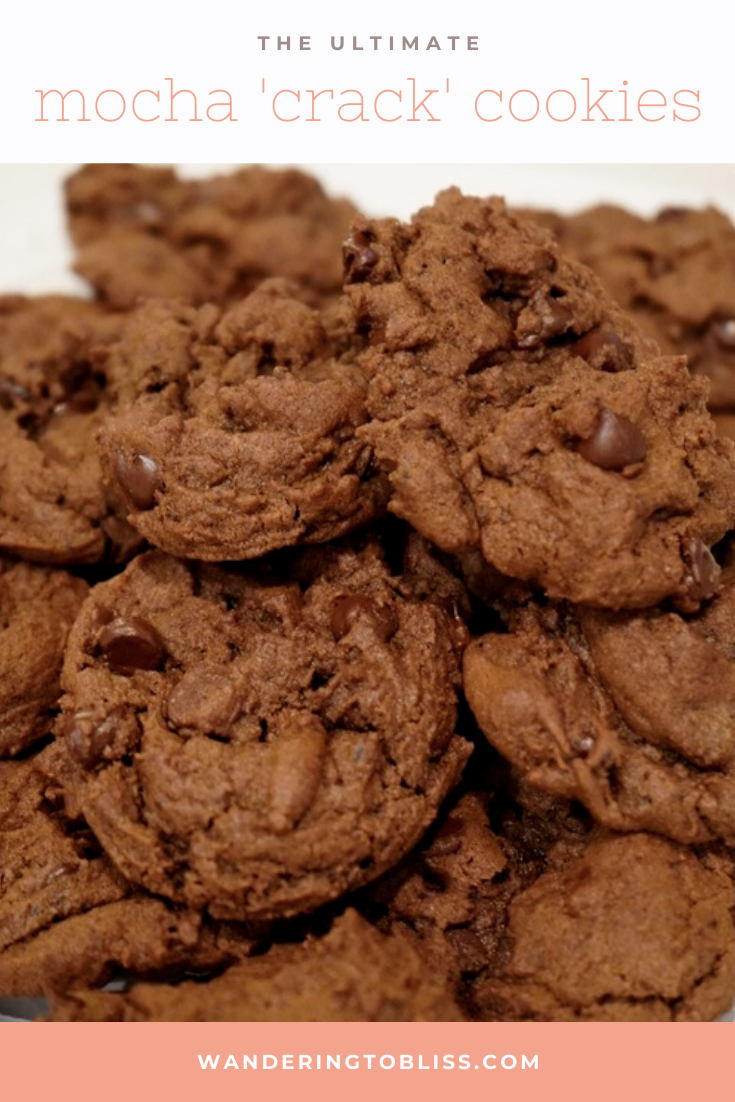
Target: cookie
449, 897
674, 273
260, 742
520, 413
430, 575
352, 974
431, 897
631, 713
725, 423
52, 401
243, 435
38, 606
141, 232
534, 914
66, 915
633, 929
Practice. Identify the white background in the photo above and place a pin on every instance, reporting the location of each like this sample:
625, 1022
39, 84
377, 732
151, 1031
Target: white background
92, 45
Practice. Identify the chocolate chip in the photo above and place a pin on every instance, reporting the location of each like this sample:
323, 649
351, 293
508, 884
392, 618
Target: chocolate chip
131, 643
100, 616
702, 574
347, 610
139, 479
298, 759
87, 738
614, 444
12, 394
359, 256
722, 331
206, 701
604, 350
554, 318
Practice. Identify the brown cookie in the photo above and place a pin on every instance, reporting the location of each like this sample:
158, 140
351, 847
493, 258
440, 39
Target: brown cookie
635, 928
449, 897
242, 438
431, 898
256, 745
518, 412
725, 423
53, 397
534, 916
430, 575
37, 608
352, 974
630, 713
66, 916
141, 232
675, 274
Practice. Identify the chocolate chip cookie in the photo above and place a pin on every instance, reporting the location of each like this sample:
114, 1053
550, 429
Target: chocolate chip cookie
141, 232
260, 742
535, 914
631, 713
519, 412
674, 273
634, 928
243, 435
431, 897
37, 608
53, 396
66, 915
352, 974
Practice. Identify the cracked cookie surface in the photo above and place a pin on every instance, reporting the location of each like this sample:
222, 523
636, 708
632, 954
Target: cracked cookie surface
634, 928
631, 713
53, 398
254, 745
674, 273
66, 915
534, 913
243, 435
519, 412
351, 974
142, 232
37, 608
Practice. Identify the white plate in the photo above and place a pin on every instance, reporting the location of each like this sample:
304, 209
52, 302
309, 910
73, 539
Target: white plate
35, 256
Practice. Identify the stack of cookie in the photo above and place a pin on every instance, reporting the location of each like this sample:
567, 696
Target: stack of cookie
368, 624
675, 273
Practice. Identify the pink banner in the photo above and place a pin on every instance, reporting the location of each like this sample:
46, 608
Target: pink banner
521, 1062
